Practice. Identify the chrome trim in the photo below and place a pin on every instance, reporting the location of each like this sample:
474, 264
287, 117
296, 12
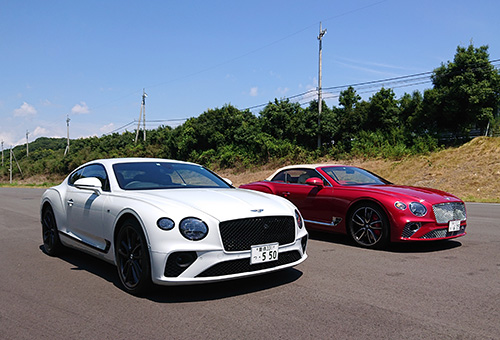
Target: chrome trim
335, 222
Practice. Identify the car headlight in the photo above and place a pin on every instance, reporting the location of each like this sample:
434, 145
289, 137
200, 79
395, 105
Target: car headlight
193, 229
400, 205
165, 223
418, 209
300, 222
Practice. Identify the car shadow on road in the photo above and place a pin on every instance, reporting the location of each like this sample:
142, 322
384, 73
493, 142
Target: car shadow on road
423, 246
225, 289
402, 247
91, 264
187, 293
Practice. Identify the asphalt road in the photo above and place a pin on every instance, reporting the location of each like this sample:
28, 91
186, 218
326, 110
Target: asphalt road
444, 290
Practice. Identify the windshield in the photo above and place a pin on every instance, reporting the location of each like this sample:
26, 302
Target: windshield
165, 175
347, 175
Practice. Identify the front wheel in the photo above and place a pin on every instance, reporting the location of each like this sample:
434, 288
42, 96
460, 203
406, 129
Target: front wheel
368, 226
50, 235
132, 258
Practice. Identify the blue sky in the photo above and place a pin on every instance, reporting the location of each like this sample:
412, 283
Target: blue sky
91, 59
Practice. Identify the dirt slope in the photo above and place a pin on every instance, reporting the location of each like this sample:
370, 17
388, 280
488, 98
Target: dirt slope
472, 171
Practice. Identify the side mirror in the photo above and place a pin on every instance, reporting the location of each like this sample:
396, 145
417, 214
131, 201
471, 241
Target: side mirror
315, 181
89, 183
228, 181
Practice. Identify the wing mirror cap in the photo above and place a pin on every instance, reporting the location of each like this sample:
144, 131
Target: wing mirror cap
89, 183
318, 182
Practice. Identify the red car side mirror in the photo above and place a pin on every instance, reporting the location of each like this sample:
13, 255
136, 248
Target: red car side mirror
317, 182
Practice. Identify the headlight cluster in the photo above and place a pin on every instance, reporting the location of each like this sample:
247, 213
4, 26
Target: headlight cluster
298, 217
416, 208
165, 223
191, 228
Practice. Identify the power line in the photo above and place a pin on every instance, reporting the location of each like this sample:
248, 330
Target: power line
398, 82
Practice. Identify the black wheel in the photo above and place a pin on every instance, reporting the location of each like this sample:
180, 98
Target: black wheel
132, 258
50, 235
368, 226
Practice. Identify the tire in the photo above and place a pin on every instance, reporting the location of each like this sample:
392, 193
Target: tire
132, 258
50, 235
368, 226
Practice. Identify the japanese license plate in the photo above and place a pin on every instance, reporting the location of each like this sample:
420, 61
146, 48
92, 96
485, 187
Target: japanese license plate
453, 226
264, 253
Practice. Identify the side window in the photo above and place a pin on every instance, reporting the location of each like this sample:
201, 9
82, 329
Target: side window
297, 176
93, 170
306, 174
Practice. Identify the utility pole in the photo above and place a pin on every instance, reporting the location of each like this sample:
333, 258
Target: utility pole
67, 138
10, 169
142, 115
27, 149
320, 103
2, 152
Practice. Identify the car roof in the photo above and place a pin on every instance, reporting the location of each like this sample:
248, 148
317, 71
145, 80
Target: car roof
111, 161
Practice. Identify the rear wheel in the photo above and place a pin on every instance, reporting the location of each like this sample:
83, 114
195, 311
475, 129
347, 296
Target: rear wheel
50, 234
368, 226
132, 258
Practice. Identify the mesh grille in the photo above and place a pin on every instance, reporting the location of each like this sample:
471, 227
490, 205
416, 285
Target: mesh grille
452, 211
238, 235
410, 229
441, 233
243, 265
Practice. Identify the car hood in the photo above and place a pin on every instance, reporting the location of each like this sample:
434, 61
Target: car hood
221, 204
432, 196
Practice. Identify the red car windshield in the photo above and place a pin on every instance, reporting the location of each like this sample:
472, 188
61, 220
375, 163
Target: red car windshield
347, 175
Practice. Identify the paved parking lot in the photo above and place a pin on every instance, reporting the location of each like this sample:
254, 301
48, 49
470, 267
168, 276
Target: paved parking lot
444, 290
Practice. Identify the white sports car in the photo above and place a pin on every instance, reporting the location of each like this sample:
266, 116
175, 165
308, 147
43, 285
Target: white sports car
170, 222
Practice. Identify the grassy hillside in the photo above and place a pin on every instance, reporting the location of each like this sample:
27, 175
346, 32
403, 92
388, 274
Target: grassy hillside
471, 171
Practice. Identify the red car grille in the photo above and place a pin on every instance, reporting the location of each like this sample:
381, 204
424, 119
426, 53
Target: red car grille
238, 235
441, 233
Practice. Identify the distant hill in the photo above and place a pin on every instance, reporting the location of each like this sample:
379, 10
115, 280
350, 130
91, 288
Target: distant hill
471, 171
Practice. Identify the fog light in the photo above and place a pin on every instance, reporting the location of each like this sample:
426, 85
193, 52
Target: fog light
178, 262
185, 259
410, 229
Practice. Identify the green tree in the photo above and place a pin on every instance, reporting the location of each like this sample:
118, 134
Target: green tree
466, 92
383, 112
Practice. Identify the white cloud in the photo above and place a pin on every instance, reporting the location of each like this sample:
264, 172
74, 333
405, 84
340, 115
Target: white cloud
107, 128
40, 131
81, 108
25, 110
283, 90
254, 91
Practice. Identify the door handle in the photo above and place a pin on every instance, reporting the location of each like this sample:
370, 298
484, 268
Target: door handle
70, 202
285, 193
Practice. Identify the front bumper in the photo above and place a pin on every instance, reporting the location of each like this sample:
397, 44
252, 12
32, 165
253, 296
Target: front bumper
426, 231
192, 267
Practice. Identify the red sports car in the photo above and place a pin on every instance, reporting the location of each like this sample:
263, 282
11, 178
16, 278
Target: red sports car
371, 210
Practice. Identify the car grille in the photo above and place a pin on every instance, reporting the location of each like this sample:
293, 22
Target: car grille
244, 266
238, 235
453, 211
441, 233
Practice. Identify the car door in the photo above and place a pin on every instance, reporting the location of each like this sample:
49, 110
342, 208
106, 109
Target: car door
313, 202
85, 208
